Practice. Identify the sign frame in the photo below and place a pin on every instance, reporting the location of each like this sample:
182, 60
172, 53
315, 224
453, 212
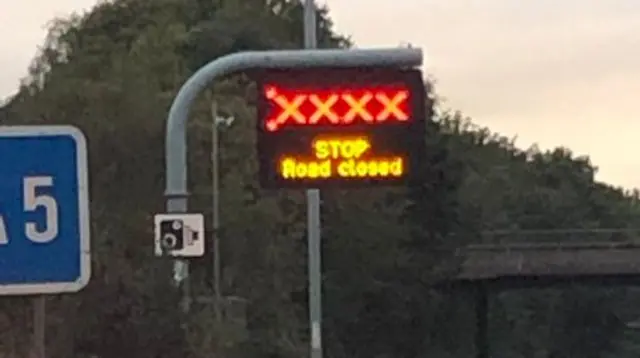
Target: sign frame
83, 209
319, 77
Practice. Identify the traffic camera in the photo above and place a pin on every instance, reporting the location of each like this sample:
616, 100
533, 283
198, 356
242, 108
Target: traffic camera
179, 235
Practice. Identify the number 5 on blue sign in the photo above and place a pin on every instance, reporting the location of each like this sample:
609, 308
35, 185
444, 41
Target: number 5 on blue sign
32, 200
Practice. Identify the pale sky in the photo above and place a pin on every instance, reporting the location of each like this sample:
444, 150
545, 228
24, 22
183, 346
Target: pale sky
552, 72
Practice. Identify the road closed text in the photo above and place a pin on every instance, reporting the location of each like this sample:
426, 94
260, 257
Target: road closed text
347, 157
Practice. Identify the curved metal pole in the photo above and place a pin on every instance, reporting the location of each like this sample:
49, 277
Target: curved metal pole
176, 139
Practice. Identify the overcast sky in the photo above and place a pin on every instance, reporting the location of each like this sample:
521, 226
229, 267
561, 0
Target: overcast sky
553, 72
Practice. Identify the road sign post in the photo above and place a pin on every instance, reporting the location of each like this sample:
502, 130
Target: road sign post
176, 137
44, 215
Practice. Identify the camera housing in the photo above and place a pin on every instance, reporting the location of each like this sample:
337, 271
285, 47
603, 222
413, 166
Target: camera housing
179, 235
172, 235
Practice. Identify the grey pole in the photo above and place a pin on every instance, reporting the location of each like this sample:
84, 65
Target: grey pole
215, 212
176, 136
313, 218
39, 326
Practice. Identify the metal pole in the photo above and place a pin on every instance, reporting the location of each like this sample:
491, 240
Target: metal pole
215, 211
181, 270
313, 218
39, 326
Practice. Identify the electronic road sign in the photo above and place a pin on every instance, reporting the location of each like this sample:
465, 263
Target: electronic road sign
353, 127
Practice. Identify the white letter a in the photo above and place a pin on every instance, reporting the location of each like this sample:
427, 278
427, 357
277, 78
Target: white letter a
4, 236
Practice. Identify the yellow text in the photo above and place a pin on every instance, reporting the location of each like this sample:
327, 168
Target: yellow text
340, 148
291, 168
294, 169
371, 168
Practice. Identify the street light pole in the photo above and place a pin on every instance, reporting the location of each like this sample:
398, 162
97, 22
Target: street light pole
215, 210
216, 121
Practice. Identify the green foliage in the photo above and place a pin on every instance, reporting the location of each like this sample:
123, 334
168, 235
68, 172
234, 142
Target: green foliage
114, 71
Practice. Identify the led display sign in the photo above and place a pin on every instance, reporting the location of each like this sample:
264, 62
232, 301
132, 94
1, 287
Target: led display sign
339, 127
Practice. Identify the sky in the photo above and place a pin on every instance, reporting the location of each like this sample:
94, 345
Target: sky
551, 72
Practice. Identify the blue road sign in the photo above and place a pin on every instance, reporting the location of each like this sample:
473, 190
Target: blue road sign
44, 210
